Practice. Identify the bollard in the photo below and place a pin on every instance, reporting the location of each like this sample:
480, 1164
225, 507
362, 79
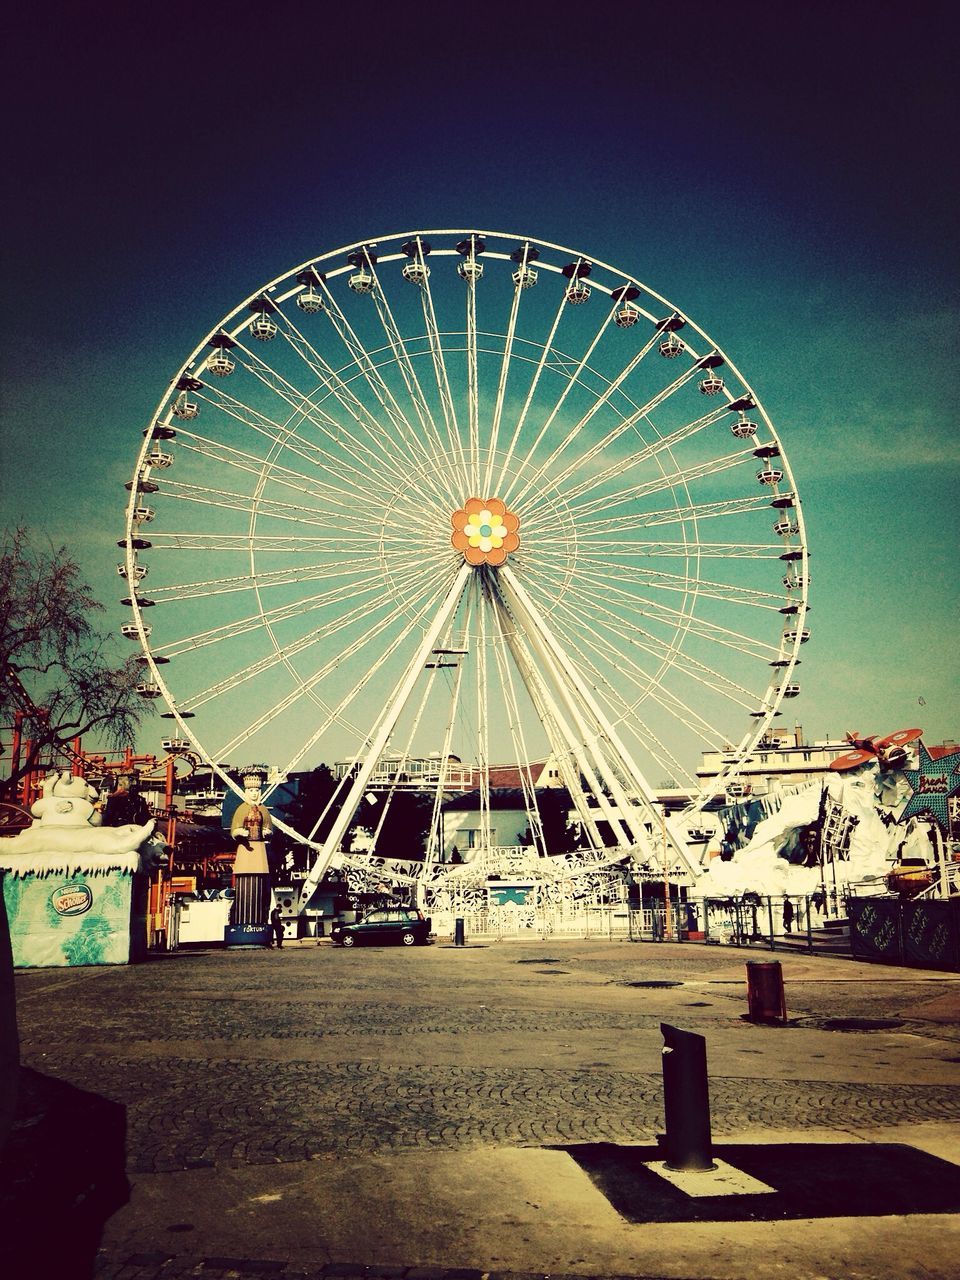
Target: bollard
686, 1100
765, 998
458, 932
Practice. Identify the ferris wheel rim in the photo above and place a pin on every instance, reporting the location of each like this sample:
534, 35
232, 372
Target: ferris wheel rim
242, 310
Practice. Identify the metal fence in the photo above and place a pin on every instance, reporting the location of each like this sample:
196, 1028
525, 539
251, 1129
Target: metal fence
794, 923
743, 922
924, 933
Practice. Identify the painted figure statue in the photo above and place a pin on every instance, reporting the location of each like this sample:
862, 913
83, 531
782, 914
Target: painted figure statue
251, 828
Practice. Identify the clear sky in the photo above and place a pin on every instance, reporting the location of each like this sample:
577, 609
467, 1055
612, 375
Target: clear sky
784, 174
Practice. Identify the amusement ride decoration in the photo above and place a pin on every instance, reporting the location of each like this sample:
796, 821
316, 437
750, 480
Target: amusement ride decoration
626, 580
935, 782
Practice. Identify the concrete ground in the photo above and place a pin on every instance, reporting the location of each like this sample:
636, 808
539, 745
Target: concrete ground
433, 1112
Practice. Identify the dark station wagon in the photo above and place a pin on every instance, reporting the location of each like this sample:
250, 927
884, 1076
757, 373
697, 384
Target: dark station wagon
402, 925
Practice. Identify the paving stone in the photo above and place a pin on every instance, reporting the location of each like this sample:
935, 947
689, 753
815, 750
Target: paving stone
212, 1057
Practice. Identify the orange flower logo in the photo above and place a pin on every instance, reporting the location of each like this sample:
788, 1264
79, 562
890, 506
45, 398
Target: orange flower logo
485, 531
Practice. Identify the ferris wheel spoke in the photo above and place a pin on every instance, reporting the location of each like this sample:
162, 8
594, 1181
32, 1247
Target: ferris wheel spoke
262, 579
454, 440
665, 653
343, 495
647, 685
639, 413
541, 364
650, 452
504, 670
518, 739
447, 643
277, 435
615, 765
566, 720
378, 387
660, 580
408, 373
472, 376
283, 613
407, 575
631, 550
358, 570
402, 447
346, 699
681, 477
517, 490
442, 611
338, 466
573, 379
650, 609
626, 712
332, 428
264, 508
642, 639
368, 636
682, 515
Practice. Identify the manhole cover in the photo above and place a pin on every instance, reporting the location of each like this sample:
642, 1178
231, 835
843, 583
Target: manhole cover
653, 983
860, 1024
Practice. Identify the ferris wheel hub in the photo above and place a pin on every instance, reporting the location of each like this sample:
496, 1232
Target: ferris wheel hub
485, 531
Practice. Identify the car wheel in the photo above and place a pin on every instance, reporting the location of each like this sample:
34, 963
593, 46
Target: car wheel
408, 939
347, 939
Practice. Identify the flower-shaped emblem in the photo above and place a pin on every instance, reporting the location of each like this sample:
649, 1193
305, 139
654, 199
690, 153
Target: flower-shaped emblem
485, 531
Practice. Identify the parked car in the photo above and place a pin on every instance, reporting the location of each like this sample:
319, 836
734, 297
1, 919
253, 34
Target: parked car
402, 925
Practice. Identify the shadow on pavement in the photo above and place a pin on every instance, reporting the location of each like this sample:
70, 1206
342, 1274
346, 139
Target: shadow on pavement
809, 1180
62, 1175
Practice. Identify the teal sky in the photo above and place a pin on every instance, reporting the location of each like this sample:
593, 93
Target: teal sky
786, 177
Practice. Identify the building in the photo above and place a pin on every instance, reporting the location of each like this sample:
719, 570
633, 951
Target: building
781, 758
394, 769
462, 824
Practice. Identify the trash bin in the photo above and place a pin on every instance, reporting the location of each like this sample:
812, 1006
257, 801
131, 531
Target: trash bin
765, 998
458, 932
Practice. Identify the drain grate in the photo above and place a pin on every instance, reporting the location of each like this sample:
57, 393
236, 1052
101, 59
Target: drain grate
860, 1024
655, 982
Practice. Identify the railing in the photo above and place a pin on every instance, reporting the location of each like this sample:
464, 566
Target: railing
758, 922
519, 921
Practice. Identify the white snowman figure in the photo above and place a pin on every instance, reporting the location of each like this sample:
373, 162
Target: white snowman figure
66, 801
66, 822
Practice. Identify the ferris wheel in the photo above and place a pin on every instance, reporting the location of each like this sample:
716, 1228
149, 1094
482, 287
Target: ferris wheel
474, 499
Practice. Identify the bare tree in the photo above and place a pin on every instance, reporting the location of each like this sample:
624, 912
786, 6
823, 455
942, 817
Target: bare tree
56, 669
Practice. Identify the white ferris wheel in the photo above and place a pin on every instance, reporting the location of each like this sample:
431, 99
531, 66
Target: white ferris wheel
470, 498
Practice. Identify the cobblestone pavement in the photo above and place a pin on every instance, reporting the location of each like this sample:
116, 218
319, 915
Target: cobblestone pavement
262, 1113
237, 1059
160, 1266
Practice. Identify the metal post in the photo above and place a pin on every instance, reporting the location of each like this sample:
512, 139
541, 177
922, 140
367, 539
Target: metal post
458, 932
773, 941
667, 921
809, 929
686, 1100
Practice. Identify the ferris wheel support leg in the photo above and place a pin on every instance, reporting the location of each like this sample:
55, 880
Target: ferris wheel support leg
580, 742
518, 596
626, 825
562, 741
379, 740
